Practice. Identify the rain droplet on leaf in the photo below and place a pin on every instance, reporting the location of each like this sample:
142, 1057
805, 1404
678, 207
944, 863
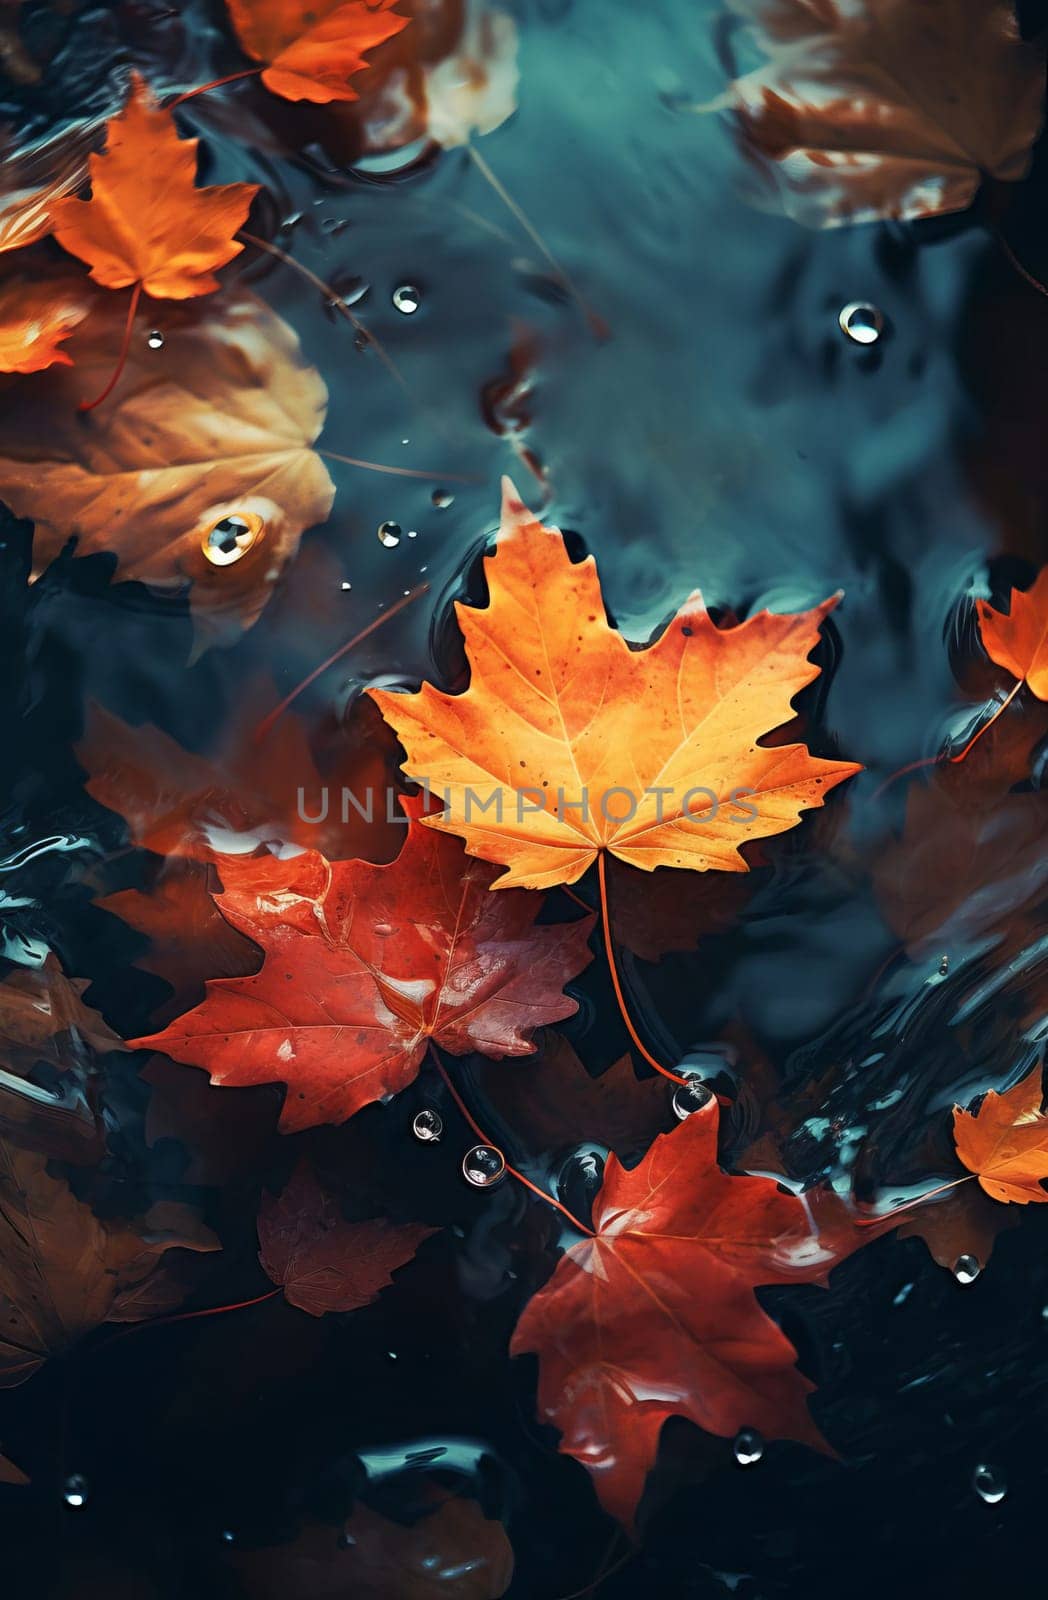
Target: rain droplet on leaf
230, 538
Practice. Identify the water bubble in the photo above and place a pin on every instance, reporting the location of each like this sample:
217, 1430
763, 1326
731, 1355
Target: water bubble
407, 299
748, 1447
75, 1492
966, 1269
231, 537
690, 1096
483, 1166
389, 534
860, 322
428, 1125
944, 966
155, 339
442, 499
989, 1484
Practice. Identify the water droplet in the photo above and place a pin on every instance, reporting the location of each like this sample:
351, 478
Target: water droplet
228, 1536
412, 533
155, 339
483, 1166
346, 1541
989, 1484
346, 586
442, 499
75, 1492
428, 1125
966, 1269
232, 537
860, 322
690, 1096
407, 299
748, 1447
944, 966
903, 1294
389, 534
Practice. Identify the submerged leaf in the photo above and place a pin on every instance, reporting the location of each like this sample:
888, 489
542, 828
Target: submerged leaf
217, 425
887, 108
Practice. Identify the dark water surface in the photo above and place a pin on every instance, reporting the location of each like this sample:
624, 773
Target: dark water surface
725, 435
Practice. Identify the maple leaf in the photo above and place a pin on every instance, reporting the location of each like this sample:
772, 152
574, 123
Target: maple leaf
562, 718
11, 1474
220, 428
364, 965
453, 1551
312, 47
552, 1101
963, 1222
168, 236
889, 108
36, 315
322, 1262
63, 1271
655, 1315
246, 790
39, 1008
1018, 640
1005, 1143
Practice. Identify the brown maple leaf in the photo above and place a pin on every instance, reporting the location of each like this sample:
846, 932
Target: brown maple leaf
63, 1271
888, 108
198, 474
323, 1262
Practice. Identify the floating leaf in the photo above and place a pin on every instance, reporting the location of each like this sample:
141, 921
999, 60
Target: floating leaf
312, 47
1005, 1143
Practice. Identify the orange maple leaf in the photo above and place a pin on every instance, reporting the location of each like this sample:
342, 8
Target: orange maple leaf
569, 742
36, 314
1018, 641
312, 47
146, 222
1006, 1142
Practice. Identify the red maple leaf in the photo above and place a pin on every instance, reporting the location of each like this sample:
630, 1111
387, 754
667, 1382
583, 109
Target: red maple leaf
323, 1262
655, 1316
364, 965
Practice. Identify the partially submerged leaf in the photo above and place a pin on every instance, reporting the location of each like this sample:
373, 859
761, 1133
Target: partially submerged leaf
962, 1222
887, 108
168, 236
220, 427
36, 316
322, 1262
1005, 1143
567, 742
551, 1102
313, 47
39, 1007
656, 1317
454, 1551
63, 1271
364, 965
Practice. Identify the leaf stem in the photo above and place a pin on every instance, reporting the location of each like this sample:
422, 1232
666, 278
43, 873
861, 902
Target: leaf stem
977, 735
189, 1316
267, 722
89, 405
333, 296
398, 472
482, 1136
216, 83
609, 951
873, 1222
597, 326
